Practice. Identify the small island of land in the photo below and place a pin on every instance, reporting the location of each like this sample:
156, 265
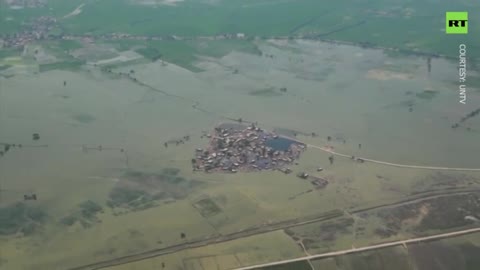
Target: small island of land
234, 148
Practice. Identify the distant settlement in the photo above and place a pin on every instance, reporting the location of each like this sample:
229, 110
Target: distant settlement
246, 148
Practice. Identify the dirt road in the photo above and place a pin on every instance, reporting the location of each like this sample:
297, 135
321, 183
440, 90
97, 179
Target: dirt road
393, 164
372, 247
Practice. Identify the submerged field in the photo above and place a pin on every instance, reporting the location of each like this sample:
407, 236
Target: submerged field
86, 120
84, 124
107, 186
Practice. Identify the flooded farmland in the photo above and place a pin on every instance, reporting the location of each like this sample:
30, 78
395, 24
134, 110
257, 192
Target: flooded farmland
108, 184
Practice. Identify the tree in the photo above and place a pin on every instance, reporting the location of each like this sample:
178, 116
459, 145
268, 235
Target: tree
182, 235
329, 138
163, 265
64, 83
331, 160
429, 64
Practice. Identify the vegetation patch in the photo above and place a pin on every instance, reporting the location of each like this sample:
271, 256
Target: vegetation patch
185, 53
436, 256
267, 92
86, 215
150, 53
4, 67
140, 190
450, 212
220, 48
374, 260
177, 52
470, 253
69, 44
441, 213
302, 265
65, 65
442, 254
207, 207
441, 180
315, 234
7, 52
83, 118
427, 94
20, 218
130, 198
62, 46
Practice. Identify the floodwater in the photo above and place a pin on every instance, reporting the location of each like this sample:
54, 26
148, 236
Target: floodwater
354, 95
280, 144
330, 93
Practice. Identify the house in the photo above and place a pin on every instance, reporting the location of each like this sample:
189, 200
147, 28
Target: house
302, 175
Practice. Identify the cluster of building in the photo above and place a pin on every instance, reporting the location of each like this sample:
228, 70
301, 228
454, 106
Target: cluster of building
125, 36
317, 182
40, 27
17, 4
246, 148
36, 30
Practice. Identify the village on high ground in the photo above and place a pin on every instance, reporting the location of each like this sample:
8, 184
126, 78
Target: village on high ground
235, 147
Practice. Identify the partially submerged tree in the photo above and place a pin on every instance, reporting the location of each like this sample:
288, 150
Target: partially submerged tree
330, 158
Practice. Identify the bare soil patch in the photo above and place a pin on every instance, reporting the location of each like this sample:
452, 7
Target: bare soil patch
385, 75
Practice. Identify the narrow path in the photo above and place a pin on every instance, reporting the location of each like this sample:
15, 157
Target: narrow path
372, 247
75, 12
393, 164
306, 252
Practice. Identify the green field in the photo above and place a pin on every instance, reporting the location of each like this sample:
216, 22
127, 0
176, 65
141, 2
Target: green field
419, 22
459, 253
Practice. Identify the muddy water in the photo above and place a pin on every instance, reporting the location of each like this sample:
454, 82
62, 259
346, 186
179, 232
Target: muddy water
354, 95
330, 92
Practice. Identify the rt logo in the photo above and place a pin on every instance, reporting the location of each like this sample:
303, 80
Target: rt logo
457, 23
